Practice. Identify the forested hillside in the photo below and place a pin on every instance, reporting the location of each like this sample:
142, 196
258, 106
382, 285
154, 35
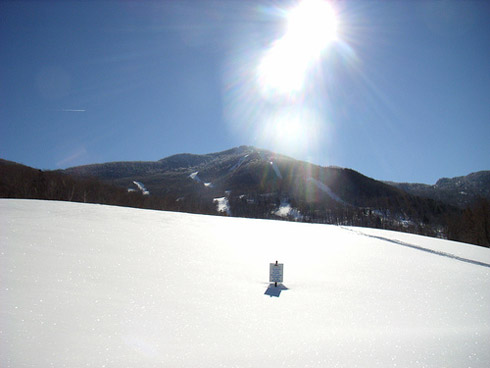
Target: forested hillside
256, 187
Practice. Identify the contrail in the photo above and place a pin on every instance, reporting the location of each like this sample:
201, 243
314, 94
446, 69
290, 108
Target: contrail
69, 110
73, 110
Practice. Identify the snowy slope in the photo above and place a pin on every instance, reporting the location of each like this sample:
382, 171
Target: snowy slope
194, 177
98, 286
141, 187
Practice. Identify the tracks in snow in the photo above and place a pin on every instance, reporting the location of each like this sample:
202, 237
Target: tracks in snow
418, 247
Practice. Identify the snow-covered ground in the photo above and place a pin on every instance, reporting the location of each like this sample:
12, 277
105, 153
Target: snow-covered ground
285, 210
238, 164
194, 176
97, 286
222, 205
141, 187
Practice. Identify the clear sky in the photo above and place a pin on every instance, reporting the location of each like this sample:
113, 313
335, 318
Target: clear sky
397, 90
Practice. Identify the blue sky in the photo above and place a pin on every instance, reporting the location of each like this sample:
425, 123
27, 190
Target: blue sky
402, 93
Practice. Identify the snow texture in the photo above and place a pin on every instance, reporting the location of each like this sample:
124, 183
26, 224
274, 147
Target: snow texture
141, 187
222, 205
285, 210
238, 164
194, 177
86, 285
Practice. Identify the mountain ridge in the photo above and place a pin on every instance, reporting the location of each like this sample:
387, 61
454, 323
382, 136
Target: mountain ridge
460, 191
258, 183
249, 182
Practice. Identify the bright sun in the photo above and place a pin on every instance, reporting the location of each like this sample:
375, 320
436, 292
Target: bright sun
314, 23
311, 26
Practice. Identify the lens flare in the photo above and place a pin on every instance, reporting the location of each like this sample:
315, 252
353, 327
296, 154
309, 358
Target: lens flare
293, 129
282, 70
311, 26
314, 23
278, 96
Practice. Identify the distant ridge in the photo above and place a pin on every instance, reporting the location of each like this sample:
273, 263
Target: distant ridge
460, 191
263, 184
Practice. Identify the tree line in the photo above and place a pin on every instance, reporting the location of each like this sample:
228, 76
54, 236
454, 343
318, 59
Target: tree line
471, 225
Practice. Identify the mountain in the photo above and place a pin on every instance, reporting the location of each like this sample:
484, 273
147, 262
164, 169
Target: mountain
250, 182
255, 183
88, 285
461, 191
20, 181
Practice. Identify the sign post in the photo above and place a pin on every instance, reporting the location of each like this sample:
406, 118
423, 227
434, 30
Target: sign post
276, 273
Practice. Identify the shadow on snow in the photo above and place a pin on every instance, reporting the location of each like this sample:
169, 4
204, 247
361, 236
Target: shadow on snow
275, 290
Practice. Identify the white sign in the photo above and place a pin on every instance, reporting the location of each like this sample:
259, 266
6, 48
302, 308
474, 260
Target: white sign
276, 272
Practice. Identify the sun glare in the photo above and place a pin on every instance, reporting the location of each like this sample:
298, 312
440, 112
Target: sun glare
280, 93
314, 22
282, 69
293, 130
311, 26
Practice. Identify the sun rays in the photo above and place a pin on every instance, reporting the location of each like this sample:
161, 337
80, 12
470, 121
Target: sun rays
311, 26
278, 87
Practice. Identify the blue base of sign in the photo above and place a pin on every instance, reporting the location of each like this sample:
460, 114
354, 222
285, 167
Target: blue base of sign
274, 290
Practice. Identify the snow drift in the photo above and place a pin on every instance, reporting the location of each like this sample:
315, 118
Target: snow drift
91, 285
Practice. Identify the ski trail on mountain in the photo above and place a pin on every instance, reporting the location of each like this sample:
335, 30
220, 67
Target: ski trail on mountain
418, 247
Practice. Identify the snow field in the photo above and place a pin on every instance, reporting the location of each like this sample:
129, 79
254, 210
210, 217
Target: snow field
91, 286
